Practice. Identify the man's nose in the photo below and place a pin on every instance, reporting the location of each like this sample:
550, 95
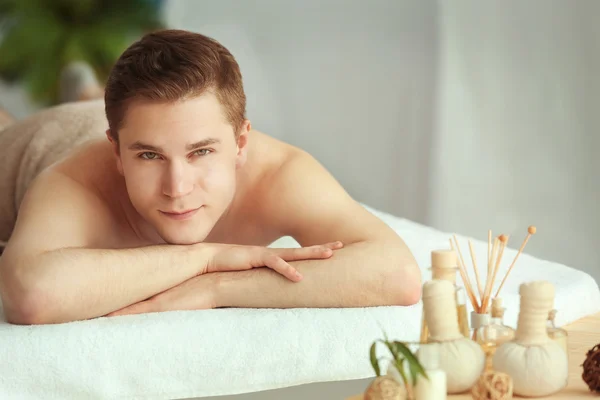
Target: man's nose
179, 181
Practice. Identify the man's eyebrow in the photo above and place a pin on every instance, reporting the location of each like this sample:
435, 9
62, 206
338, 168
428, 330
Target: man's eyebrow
202, 143
143, 146
136, 146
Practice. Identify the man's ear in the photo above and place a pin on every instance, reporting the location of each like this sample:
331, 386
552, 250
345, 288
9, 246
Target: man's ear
242, 144
115, 146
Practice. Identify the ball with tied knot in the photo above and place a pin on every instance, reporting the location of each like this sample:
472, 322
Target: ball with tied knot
493, 385
591, 369
385, 388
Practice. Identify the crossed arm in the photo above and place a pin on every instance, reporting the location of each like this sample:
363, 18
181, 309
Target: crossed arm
373, 268
58, 267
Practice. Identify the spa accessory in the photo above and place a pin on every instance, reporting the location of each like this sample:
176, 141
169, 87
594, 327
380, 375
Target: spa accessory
530, 231
404, 368
494, 258
591, 369
501, 241
478, 321
444, 267
492, 335
536, 363
461, 358
559, 335
434, 387
493, 385
385, 388
464, 276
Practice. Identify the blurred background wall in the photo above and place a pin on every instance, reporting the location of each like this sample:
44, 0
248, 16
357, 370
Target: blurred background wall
463, 115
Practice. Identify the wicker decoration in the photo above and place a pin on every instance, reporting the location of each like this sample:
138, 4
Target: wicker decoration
385, 388
493, 385
591, 369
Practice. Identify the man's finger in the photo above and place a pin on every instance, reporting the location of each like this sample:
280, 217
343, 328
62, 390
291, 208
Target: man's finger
277, 264
305, 253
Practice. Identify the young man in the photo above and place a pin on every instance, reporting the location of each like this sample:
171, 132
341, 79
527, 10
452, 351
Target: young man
175, 210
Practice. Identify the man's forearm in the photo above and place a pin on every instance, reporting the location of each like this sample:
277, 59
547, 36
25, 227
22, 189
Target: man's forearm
74, 284
359, 275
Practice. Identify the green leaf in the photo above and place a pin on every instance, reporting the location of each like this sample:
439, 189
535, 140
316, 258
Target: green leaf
414, 365
414, 374
374, 361
401, 354
390, 347
400, 367
398, 359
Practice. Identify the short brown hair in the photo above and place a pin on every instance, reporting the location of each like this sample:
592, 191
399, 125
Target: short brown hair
170, 65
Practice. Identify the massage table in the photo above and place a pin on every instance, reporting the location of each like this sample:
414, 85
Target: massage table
249, 354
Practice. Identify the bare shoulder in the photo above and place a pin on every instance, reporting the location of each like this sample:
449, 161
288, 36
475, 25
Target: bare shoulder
302, 199
61, 210
301, 181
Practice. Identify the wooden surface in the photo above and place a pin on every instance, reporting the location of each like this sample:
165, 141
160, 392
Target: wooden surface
583, 335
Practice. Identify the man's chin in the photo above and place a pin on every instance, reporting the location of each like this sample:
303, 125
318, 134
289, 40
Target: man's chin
179, 240
182, 242
182, 238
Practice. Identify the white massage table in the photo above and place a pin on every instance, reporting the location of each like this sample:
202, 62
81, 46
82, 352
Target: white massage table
248, 353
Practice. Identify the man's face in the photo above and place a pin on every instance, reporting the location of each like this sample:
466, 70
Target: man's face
179, 162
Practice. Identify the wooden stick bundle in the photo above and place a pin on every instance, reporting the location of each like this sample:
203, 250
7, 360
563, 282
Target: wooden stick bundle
494, 254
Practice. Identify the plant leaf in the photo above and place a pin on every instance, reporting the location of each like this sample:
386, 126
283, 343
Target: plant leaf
398, 359
391, 348
385, 337
400, 367
374, 361
414, 373
414, 365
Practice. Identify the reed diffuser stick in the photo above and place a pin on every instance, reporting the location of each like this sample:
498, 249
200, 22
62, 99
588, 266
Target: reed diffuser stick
530, 231
474, 259
488, 280
464, 276
489, 254
485, 303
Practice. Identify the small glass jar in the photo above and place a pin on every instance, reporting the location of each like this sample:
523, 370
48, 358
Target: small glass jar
461, 310
559, 335
494, 334
478, 321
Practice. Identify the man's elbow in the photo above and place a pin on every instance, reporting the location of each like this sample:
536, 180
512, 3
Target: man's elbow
26, 307
406, 286
23, 302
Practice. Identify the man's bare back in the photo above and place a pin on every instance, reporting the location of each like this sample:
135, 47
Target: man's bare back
173, 206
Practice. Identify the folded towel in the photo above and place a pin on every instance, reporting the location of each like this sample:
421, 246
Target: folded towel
30, 145
186, 354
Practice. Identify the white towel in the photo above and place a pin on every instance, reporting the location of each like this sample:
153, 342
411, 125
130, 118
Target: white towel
187, 354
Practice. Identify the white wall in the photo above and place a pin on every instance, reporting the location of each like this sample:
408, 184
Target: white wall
349, 81
517, 132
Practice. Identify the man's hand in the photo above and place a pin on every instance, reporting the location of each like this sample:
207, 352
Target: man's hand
198, 293
239, 258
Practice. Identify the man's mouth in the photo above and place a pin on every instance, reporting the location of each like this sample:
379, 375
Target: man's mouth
180, 215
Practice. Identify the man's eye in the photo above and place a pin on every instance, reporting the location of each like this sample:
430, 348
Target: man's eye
203, 152
149, 156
